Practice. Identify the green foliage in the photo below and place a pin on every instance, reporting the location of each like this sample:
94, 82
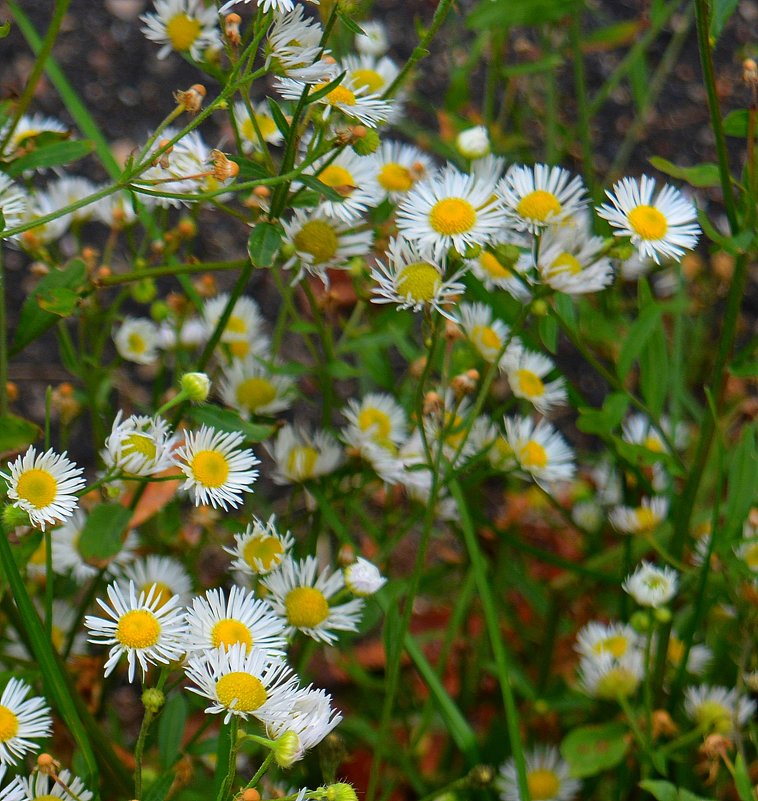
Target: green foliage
102, 536
590, 750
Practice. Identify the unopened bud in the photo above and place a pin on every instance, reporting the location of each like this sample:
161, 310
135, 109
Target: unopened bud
716, 746
540, 308
163, 159
13, 517
47, 764
250, 793
153, 700
11, 390
662, 615
464, 384
367, 143
196, 385
640, 621
481, 775
186, 228
191, 100
663, 724
286, 749
223, 167
340, 792
159, 311
432, 404
232, 33
473, 143
144, 290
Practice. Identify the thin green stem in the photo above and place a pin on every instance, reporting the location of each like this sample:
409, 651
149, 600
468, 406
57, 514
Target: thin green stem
3, 342
259, 774
139, 749
172, 269
231, 772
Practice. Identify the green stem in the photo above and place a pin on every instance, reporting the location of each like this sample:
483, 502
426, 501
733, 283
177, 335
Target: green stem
3, 342
138, 751
172, 269
231, 772
261, 770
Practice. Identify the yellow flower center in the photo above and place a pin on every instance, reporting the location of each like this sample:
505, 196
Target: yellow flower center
648, 222
239, 348
539, 205
182, 30
236, 325
138, 628
454, 426
377, 421
492, 266
252, 393
750, 556
8, 724
266, 126
371, 79
532, 454
646, 518
453, 215
338, 178
266, 551
306, 607
395, 178
136, 343
161, 592
618, 681
228, 632
241, 691
58, 638
210, 468
565, 263
341, 95
653, 443
318, 239
419, 280
543, 784
302, 461
139, 443
37, 487
714, 716
530, 383
39, 556
485, 337
675, 650
46, 798
616, 645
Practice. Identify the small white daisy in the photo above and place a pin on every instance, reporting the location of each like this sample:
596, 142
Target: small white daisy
373, 41
244, 332
185, 26
14, 790
363, 578
139, 445
137, 340
166, 577
65, 619
498, 272
642, 519
41, 787
293, 48
146, 629
39, 205
116, 211
375, 75
260, 548
243, 682
28, 127
718, 709
538, 196
252, 389
660, 228
491, 337
302, 456
301, 595
263, 120
448, 209
401, 167
413, 279
526, 373
573, 263
377, 418
698, 658
652, 586
218, 471
548, 777
44, 485
605, 677
68, 190
615, 639
13, 202
311, 717
280, 6
639, 430
21, 720
539, 450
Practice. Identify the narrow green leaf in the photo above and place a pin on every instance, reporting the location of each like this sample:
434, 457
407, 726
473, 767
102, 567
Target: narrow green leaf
654, 369
263, 243
721, 10
349, 23
227, 420
639, 332
697, 175
313, 96
548, 330
742, 780
17, 433
249, 170
158, 790
660, 790
52, 155
5, 29
278, 116
590, 750
506, 13
686, 795
102, 536
171, 729
735, 122
328, 192
550, 62
59, 300
742, 481
606, 419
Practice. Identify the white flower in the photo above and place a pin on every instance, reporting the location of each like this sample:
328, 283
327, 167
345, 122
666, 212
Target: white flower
40, 786
21, 719
137, 340
116, 210
281, 6
377, 418
164, 576
217, 622
260, 548
538, 196
401, 166
39, 205
44, 485
373, 40
139, 445
363, 578
413, 279
293, 48
615, 639
264, 122
12, 203
28, 127
448, 209
186, 26
698, 658
217, 469
311, 718
14, 790
718, 709
491, 337
244, 331
243, 682
65, 621
473, 143
642, 519
347, 97
603, 676
301, 456
525, 376
571, 261
498, 272
252, 389
652, 586
539, 450
547, 775
375, 74
639, 430
660, 228
145, 628
300, 594
68, 190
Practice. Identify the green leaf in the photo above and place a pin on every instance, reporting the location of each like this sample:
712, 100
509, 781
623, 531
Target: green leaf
59, 300
654, 368
349, 23
721, 10
343, 370
742, 480
158, 790
318, 186
548, 330
263, 243
278, 116
324, 90
34, 320
605, 420
550, 62
17, 433
742, 780
660, 790
590, 750
102, 536
639, 332
171, 729
227, 420
5, 29
52, 155
249, 170
686, 795
505, 13
735, 122
697, 175
744, 369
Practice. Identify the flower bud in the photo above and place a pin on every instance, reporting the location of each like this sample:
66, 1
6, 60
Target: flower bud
286, 749
153, 700
473, 143
196, 385
223, 167
340, 792
192, 99
366, 144
363, 578
232, 33
47, 764
13, 517
144, 290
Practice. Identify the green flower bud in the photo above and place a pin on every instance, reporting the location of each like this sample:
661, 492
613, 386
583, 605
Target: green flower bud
640, 622
539, 308
472, 251
196, 385
367, 144
340, 792
507, 255
153, 700
159, 311
144, 291
286, 749
13, 517
662, 615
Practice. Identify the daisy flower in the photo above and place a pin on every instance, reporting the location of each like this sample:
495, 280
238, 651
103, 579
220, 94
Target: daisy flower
377, 418
413, 279
28, 127
639, 430
71, 189
747, 549
39, 786
652, 586
547, 777
44, 485
491, 337
375, 75
243, 682
526, 373
244, 331
539, 450
616, 639
65, 618
321, 242
605, 677
116, 211
12, 203
144, 627
252, 389
263, 119
260, 548
139, 445
718, 709
293, 48
573, 264
14, 790
281, 6
538, 196
217, 469
642, 519
363, 578
302, 456
449, 209
347, 97
660, 228
164, 576
301, 595
186, 26
373, 41
311, 717
401, 166
497, 272
137, 340
698, 658
39, 205
217, 622
21, 719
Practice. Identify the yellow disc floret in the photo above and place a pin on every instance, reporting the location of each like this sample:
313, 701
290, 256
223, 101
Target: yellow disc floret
648, 222
306, 607
645, 518
253, 393
616, 645
37, 487
543, 784
532, 454
565, 263
419, 281
341, 95
395, 178
318, 239
141, 444
228, 632
161, 592
539, 205
377, 421
138, 628
302, 461
182, 30
453, 215
210, 469
241, 691
530, 383
492, 266
371, 79
265, 551
8, 724
136, 343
